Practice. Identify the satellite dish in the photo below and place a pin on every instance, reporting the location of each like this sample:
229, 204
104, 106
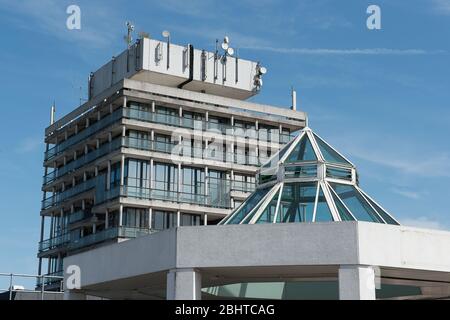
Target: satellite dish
263, 70
225, 46
166, 34
226, 40
230, 51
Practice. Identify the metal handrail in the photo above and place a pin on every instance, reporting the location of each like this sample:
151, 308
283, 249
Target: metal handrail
42, 278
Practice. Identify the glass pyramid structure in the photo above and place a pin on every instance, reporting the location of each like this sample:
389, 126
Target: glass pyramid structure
308, 181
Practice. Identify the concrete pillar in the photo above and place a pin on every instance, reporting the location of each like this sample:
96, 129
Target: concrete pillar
107, 219
108, 176
356, 282
122, 171
150, 218
120, 216
178, 218
74, 295
205, 219
184, 284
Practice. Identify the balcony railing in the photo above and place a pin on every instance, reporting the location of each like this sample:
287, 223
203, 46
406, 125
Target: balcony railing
53, 243
201, 124
79, 216
85, 159
100, 125
108, 234
60, 197
193, 152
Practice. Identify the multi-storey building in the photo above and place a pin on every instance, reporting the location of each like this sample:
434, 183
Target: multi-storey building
166, 139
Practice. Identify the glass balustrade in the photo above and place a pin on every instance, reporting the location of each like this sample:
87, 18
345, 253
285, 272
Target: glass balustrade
94, 128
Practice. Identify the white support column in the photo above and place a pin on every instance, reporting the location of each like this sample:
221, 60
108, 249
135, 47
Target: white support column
120, 215
153, 107
184, 284
122, 171
152, 174
356, 282
205, 219
150, 217
178, 218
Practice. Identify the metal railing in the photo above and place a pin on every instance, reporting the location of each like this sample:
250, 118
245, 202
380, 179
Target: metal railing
108, 234
60, 197
201, 124
53, 243
101, 124
192, 152
41, 280
83, 160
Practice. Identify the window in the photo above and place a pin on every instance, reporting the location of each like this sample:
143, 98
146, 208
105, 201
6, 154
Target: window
356, 203
297, 202
193, 180
190, 220
137, 173
163, 220
166, 177
135, 218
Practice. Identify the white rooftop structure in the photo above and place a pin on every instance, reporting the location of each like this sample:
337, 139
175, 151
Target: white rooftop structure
184, 67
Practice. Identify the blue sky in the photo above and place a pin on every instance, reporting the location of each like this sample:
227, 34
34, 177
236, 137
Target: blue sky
380, 97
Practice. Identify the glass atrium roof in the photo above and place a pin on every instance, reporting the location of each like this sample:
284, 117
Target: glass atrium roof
308, 181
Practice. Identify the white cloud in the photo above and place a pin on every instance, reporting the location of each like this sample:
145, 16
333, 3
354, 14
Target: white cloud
356, 51
29, 144
441, 6
423, 222
407, 193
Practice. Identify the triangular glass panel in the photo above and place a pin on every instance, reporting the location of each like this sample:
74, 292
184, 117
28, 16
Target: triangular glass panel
303, 151
269, 212
328, 153
297, 202
356, 203
273, 162
248, 206
386, 217
323, 212
343, 212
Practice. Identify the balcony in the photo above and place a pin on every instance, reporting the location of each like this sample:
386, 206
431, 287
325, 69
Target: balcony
79, 216
60, 197
54, 243
193, 152
89, 131
135, 113
82, 161
108, 234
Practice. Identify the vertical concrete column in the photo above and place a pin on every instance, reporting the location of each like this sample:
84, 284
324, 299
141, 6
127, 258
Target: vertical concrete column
122, 171
152, 174
153, 107
150, 217
108, 176
107, 219
121, 216
356, 282
178, 218
184, 284
205, 219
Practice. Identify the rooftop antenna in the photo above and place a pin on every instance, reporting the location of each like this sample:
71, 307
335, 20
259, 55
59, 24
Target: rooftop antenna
129, 36
52, 113
166, 34
294, 99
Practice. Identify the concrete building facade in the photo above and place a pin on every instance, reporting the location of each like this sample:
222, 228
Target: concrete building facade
165, 140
